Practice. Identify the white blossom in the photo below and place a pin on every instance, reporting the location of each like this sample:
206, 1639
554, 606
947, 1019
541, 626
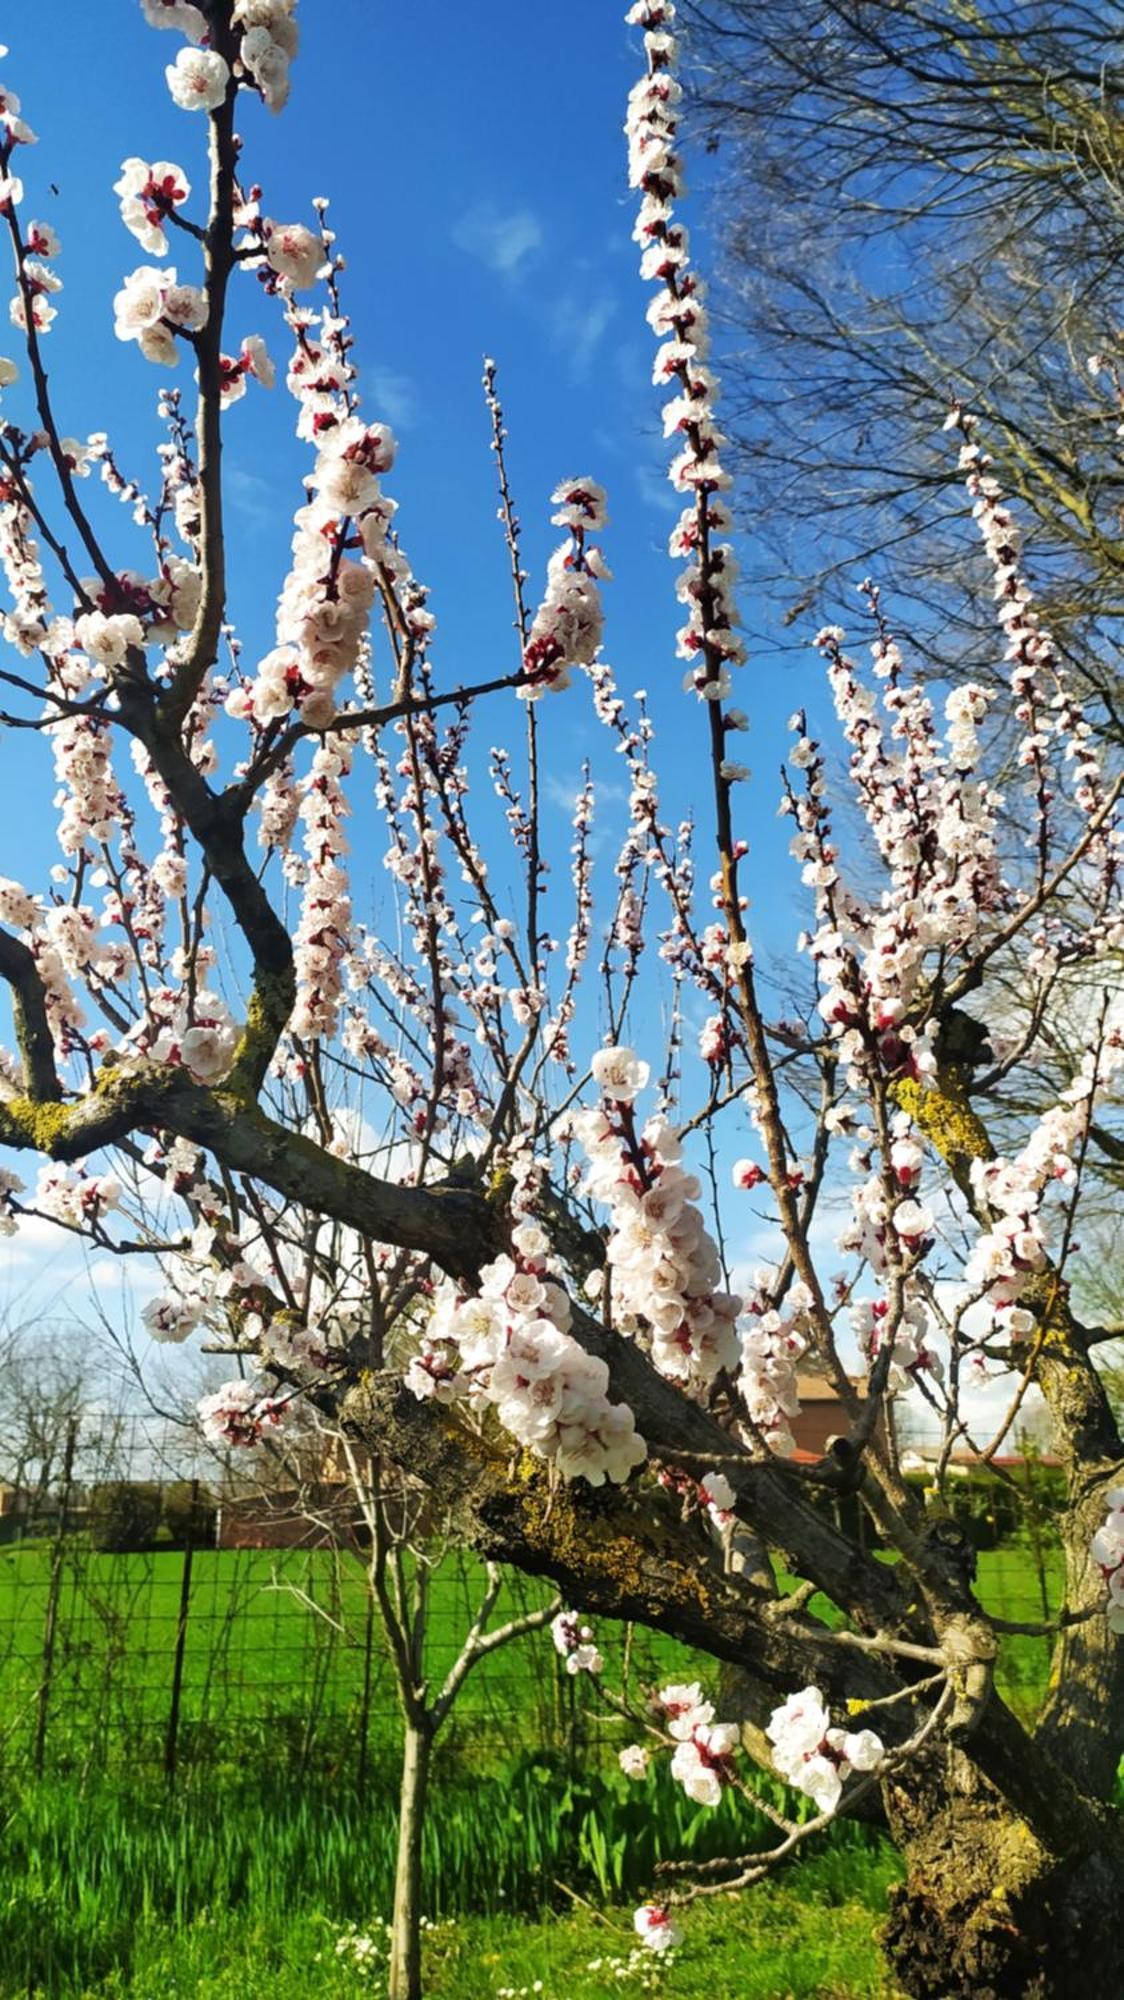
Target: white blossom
198, 79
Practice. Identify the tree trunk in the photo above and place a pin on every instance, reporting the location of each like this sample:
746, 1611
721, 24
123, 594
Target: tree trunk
405, 1943
986, 1912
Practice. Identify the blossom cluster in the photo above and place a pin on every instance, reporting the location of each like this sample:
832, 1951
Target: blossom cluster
28, 625
869, 962
1051, 718
342, 532
655, 1927
678, 317
30, 308
235, 370
37, 281
76, 1199
773, 1342
812, 1755
702, 1762
1011, 1251
326, 600
509, 1346
152, 307
240, 1413
892, 1231
268, 45
682, 1707
171, 1317
321, 942
566, 629
89, 796
267, 40
703, 1759
665, 1270
195, 1031
151, 191
60, 943
634, 1760
575, 1642
910, 1333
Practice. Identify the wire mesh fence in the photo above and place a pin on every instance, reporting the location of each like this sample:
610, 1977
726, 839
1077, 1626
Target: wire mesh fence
157, 1612
154, 1615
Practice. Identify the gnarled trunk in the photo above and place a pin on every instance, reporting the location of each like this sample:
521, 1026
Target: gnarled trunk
987, 1912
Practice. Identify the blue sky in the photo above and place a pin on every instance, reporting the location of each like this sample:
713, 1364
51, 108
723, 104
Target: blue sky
478, 190
476, 168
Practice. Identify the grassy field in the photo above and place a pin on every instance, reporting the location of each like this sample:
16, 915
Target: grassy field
779, 1943
286, 1899
262, 1873
105, 1887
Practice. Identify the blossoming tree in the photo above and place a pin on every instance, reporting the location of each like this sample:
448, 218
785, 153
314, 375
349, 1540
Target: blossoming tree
513, 1286
402, 1549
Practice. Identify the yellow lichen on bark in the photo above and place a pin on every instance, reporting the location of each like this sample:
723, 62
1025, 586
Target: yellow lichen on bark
270, 1005
31, 1126
943, 1114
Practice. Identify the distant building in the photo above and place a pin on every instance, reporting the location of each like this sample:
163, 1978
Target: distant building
963, 1461
320, 1516
822, 1415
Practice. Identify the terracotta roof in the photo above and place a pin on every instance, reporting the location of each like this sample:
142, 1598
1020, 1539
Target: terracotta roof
968, 1459
815, 1389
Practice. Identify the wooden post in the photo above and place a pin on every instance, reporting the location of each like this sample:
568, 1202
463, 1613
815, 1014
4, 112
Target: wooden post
171, 1739
361, 1764
54, 1590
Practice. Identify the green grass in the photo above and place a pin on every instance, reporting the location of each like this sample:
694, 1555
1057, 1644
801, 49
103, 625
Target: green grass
1009, 1585
92, 1879
765, 1946
814, 1937
240, 1882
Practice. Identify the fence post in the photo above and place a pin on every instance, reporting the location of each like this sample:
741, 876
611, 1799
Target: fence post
54, 1589
361, 1771
171, 1739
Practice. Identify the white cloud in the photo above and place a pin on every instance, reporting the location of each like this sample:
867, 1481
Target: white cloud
654, 488
578, 324
501, 239
38, 1244
393, 396
46, 1270
565, 792
140, 1277
250, 495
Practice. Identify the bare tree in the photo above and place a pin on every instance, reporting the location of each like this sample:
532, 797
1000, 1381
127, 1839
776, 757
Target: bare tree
924, 202
401, 1562
58, 1396
324, 1490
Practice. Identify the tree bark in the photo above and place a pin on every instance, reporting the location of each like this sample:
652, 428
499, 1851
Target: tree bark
988, 1911
405, 1981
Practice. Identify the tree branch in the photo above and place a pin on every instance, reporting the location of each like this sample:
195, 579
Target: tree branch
33, 1029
